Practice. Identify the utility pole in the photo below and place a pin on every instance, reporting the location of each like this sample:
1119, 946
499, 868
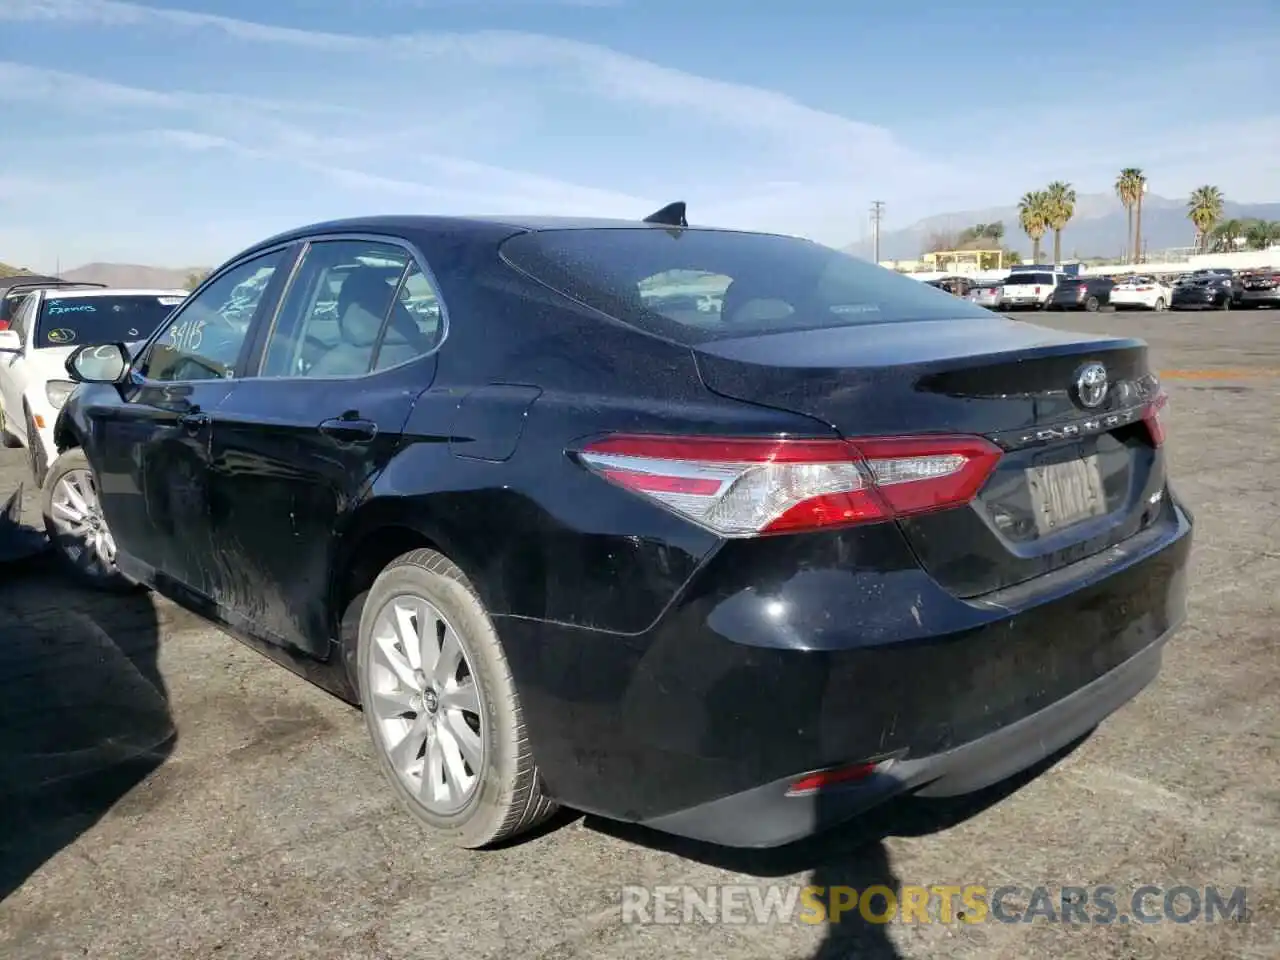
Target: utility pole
877, 214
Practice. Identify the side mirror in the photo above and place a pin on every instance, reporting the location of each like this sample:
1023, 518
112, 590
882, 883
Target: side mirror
10, 342
108, 363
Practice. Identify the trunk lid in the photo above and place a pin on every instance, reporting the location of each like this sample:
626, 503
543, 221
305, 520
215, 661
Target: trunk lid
1073, 481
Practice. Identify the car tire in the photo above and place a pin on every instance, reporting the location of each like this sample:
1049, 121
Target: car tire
1091, 304
468, 734
77, 530
35, 450
1159, 305
7, 439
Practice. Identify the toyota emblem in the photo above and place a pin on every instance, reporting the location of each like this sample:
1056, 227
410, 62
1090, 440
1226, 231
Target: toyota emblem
1091, 385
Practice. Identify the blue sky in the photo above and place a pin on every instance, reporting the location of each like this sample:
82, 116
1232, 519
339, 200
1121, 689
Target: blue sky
177, 134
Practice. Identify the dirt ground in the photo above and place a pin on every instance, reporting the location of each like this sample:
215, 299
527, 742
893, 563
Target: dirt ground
255, 823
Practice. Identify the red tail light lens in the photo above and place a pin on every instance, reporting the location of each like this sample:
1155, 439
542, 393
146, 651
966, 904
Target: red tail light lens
741, 487
839, 777
1083, 289
1152, 416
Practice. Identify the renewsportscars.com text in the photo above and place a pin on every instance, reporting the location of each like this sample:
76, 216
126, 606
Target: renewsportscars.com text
969, 903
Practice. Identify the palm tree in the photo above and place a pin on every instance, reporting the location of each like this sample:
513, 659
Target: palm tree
1033, 216
1060, 202
1129, 189
1262, 234
1204, 209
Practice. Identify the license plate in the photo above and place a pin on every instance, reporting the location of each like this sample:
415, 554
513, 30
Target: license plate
1063, 494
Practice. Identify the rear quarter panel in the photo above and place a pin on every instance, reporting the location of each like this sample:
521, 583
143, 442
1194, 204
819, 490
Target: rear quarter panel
540, 536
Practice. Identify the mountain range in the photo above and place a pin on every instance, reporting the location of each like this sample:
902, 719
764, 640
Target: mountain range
1097, 230
132, 275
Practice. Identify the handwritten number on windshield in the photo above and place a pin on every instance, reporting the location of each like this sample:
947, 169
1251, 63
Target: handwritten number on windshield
187, 336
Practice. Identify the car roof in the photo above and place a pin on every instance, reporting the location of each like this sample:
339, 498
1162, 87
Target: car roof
479, 228
27, 279
118, 292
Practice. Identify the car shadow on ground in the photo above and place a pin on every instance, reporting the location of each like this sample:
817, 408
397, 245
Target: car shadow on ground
84, 715
852, 856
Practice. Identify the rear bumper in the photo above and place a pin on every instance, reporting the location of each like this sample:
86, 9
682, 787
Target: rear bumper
774, 665
766, 816
1270, 298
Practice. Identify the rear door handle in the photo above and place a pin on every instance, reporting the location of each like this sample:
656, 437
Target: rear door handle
349, 431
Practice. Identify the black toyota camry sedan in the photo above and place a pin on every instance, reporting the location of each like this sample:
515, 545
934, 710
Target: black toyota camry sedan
726, 533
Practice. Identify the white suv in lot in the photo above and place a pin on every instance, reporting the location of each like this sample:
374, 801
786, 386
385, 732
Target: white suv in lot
46, 328
1028, 289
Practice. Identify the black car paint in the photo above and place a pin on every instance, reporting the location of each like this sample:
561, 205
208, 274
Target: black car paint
1077, 293
661, 668
1210, 292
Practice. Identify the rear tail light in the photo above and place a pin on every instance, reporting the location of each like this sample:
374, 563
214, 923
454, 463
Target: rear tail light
1153, 415
1037, 290
1082, 289
740, 487
1144, 289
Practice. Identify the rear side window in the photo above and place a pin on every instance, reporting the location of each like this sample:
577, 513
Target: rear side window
353, 306
694, 286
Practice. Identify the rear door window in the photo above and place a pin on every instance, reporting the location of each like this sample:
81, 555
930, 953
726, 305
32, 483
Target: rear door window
693, 286
416, 323
333, 313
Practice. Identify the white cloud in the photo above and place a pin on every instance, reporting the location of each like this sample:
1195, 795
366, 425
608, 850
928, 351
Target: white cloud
72, 91
451, 179
502, 121
835, 153
622, 76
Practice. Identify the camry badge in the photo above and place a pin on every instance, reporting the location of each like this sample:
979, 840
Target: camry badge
1091, 385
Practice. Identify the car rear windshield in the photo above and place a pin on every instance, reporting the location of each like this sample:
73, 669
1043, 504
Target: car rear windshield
694, 286
1018, 279
65, 321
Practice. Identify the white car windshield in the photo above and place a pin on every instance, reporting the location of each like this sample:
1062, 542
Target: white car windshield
68, 321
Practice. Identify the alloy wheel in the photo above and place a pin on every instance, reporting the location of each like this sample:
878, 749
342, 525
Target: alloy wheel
82, 531
426, 702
